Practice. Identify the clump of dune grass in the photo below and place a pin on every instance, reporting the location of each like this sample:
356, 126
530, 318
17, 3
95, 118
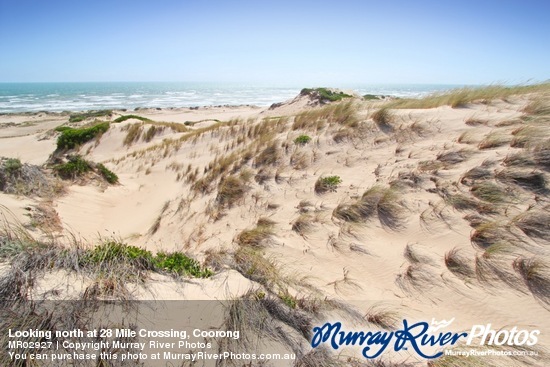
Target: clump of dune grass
270, 156
455, 156
520, 159
263, 175
133, 134
463, 202
536, 274
495, 265
535, 224
528, 179
468, 137
474, 121
527, 136
259, 315
430, 166
415, 277
413, 256
384, 119
494, 139
491, 193
231, 189
342, 135
541, 155
384, 203
304, 224
382, 316
257, 236
300, 160
458, 264
475, 174
345, 284
253, 265
490, 233
326, 184
343, 113
537, 107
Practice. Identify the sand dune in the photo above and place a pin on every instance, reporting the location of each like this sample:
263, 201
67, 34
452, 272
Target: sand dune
432, 213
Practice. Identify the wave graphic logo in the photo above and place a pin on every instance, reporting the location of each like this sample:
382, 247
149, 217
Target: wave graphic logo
436, 325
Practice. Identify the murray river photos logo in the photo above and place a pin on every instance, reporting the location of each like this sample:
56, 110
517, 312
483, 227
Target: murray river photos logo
419, 337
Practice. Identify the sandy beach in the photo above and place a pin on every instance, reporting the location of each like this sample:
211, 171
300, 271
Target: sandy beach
437, 210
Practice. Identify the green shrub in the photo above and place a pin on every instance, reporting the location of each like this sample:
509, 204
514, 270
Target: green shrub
71, 138
107, 174
76, 166
328, 183
113, 254
113, 251
127, 117
12, 165
77, 117
325, 94
302, 140
179, 263
62, 128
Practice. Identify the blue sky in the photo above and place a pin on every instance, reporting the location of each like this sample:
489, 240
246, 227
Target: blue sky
275, 42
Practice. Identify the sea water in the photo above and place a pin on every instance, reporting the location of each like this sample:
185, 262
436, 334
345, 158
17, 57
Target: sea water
33, 97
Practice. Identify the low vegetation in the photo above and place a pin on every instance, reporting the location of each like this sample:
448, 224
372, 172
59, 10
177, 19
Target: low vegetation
384, 203
128, 117
77, 167
324, 95
78, 117
302, 140
27, 179
73, 137
326, 184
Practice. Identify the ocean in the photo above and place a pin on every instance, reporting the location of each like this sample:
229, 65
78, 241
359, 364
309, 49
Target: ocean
56, 97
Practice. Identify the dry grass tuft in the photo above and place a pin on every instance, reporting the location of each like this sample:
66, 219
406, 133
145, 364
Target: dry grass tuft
492, 233
495, 139
476, 174
383, 317
473, 121
458, 264
536, 274
256, 237
270, 156
231, 190
384, 119
384, 203
491, 193
528, 179
455, 156
535, 224
303, 224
